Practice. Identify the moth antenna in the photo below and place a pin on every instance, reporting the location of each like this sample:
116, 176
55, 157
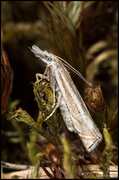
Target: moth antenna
74, 70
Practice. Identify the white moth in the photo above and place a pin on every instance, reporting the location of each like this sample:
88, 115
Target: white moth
73, 109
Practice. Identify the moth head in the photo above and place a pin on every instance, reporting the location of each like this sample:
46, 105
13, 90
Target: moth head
51, 60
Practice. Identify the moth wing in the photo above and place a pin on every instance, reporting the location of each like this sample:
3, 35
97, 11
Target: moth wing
82, 121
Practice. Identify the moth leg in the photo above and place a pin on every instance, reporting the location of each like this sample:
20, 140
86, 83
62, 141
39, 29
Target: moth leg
53, 98
52, 84
42, 76
57, 105
38, 75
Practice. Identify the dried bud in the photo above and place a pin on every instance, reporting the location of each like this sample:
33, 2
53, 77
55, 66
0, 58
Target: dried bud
94, 98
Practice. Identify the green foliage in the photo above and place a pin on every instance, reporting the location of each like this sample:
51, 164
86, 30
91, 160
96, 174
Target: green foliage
35, 172
44, 98
42, 92
32, 152
67, 160
23, 116
107, 154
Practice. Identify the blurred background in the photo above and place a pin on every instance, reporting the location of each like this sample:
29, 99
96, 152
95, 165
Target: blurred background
85, 34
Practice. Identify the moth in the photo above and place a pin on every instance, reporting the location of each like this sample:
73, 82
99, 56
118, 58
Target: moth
72, 107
